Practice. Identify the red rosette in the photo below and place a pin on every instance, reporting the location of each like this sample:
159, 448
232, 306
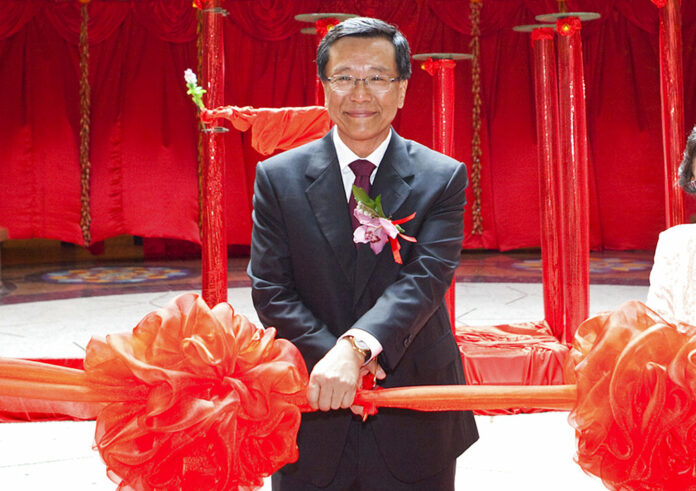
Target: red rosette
432, 65
542, 33
567, 26
324, 25
215, 410
635, 418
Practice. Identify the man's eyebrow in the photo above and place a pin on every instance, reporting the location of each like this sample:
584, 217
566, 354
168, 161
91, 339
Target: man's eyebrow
372, 68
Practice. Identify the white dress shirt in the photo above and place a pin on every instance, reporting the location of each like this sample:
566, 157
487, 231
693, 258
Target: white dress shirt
345, 157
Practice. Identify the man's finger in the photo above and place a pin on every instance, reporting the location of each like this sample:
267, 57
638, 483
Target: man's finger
348, 399
313, 395
357, 410
325, 396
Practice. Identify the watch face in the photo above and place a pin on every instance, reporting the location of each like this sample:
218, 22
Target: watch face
361, 344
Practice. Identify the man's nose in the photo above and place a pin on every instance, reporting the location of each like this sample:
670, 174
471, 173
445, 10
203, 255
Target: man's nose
360, 91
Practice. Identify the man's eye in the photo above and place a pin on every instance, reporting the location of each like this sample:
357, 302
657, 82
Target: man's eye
343, 78
377, 79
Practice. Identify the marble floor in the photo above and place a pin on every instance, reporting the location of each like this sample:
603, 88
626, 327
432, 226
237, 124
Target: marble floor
523, 452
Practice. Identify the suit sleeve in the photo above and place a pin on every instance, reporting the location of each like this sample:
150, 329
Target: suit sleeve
274, 294
407, 304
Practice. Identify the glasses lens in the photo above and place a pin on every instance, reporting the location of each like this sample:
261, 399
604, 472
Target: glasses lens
342, 83
378, 83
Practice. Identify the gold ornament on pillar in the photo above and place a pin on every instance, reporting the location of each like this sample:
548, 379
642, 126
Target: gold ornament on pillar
85, 166
475, 18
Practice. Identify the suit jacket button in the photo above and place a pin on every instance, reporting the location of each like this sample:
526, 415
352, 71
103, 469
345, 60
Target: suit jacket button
407, 340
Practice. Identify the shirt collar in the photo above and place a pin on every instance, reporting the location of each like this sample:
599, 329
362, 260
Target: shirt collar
346, 156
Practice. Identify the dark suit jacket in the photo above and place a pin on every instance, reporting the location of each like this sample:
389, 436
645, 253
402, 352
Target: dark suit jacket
312, 284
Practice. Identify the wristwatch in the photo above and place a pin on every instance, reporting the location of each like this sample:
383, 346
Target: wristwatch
360, 346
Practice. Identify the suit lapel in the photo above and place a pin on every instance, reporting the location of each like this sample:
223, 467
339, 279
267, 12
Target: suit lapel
327, 198
391, 182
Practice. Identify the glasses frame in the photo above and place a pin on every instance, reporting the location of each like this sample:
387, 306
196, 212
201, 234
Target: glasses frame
364, 80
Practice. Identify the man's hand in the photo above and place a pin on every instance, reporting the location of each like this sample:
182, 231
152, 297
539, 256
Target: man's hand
335, 378
375, 369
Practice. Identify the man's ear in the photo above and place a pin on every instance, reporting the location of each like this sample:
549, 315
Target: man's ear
325, 86
403, 84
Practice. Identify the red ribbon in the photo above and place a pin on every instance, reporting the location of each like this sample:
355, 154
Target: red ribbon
394, 243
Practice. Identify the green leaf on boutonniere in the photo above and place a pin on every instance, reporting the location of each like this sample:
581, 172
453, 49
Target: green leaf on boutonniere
378, 206
361, 196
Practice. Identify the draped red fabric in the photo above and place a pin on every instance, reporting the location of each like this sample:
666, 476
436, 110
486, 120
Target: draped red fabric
13, 16
144, 137
275, 129
144, 132
511, 354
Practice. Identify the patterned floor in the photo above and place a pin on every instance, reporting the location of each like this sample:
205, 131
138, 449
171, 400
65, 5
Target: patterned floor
40, 271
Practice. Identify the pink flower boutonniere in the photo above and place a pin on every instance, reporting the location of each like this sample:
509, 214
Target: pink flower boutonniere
375, 228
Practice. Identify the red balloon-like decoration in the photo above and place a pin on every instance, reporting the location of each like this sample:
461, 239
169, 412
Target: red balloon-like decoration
635, 416
212, 411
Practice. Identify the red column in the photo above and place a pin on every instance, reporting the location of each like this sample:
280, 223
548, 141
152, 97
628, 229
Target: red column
546, 94
323, 23
443, 128
573, 178
322, 26
214, 232
672, 94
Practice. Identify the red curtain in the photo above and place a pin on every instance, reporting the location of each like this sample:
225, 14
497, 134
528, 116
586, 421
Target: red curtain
144, 132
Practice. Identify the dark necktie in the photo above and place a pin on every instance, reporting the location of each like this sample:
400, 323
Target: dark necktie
362, 170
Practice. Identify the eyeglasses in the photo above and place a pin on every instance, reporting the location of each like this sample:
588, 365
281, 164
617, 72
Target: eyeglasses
377, 84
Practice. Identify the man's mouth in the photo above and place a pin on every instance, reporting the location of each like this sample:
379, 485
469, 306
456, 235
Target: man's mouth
360, 114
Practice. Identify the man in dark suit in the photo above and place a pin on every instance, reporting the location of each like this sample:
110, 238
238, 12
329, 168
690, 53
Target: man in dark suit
347, 309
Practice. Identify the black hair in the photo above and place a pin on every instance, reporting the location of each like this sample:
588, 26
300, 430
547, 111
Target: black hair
366, 27
686, 168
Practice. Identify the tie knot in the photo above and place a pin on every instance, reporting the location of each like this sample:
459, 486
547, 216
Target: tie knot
362, 168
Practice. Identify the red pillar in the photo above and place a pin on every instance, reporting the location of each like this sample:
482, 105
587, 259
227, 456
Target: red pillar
214, 231
546, 94
573, 178
672, 94
322, 26
443, 128
323, 23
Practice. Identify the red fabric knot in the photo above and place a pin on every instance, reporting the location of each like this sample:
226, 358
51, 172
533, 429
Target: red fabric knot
567, 26
324, 25
433, 65
362, 170
542, 33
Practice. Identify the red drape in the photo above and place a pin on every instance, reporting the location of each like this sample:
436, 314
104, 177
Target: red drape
144, 131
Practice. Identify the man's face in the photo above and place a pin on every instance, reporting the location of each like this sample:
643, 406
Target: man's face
363, 117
